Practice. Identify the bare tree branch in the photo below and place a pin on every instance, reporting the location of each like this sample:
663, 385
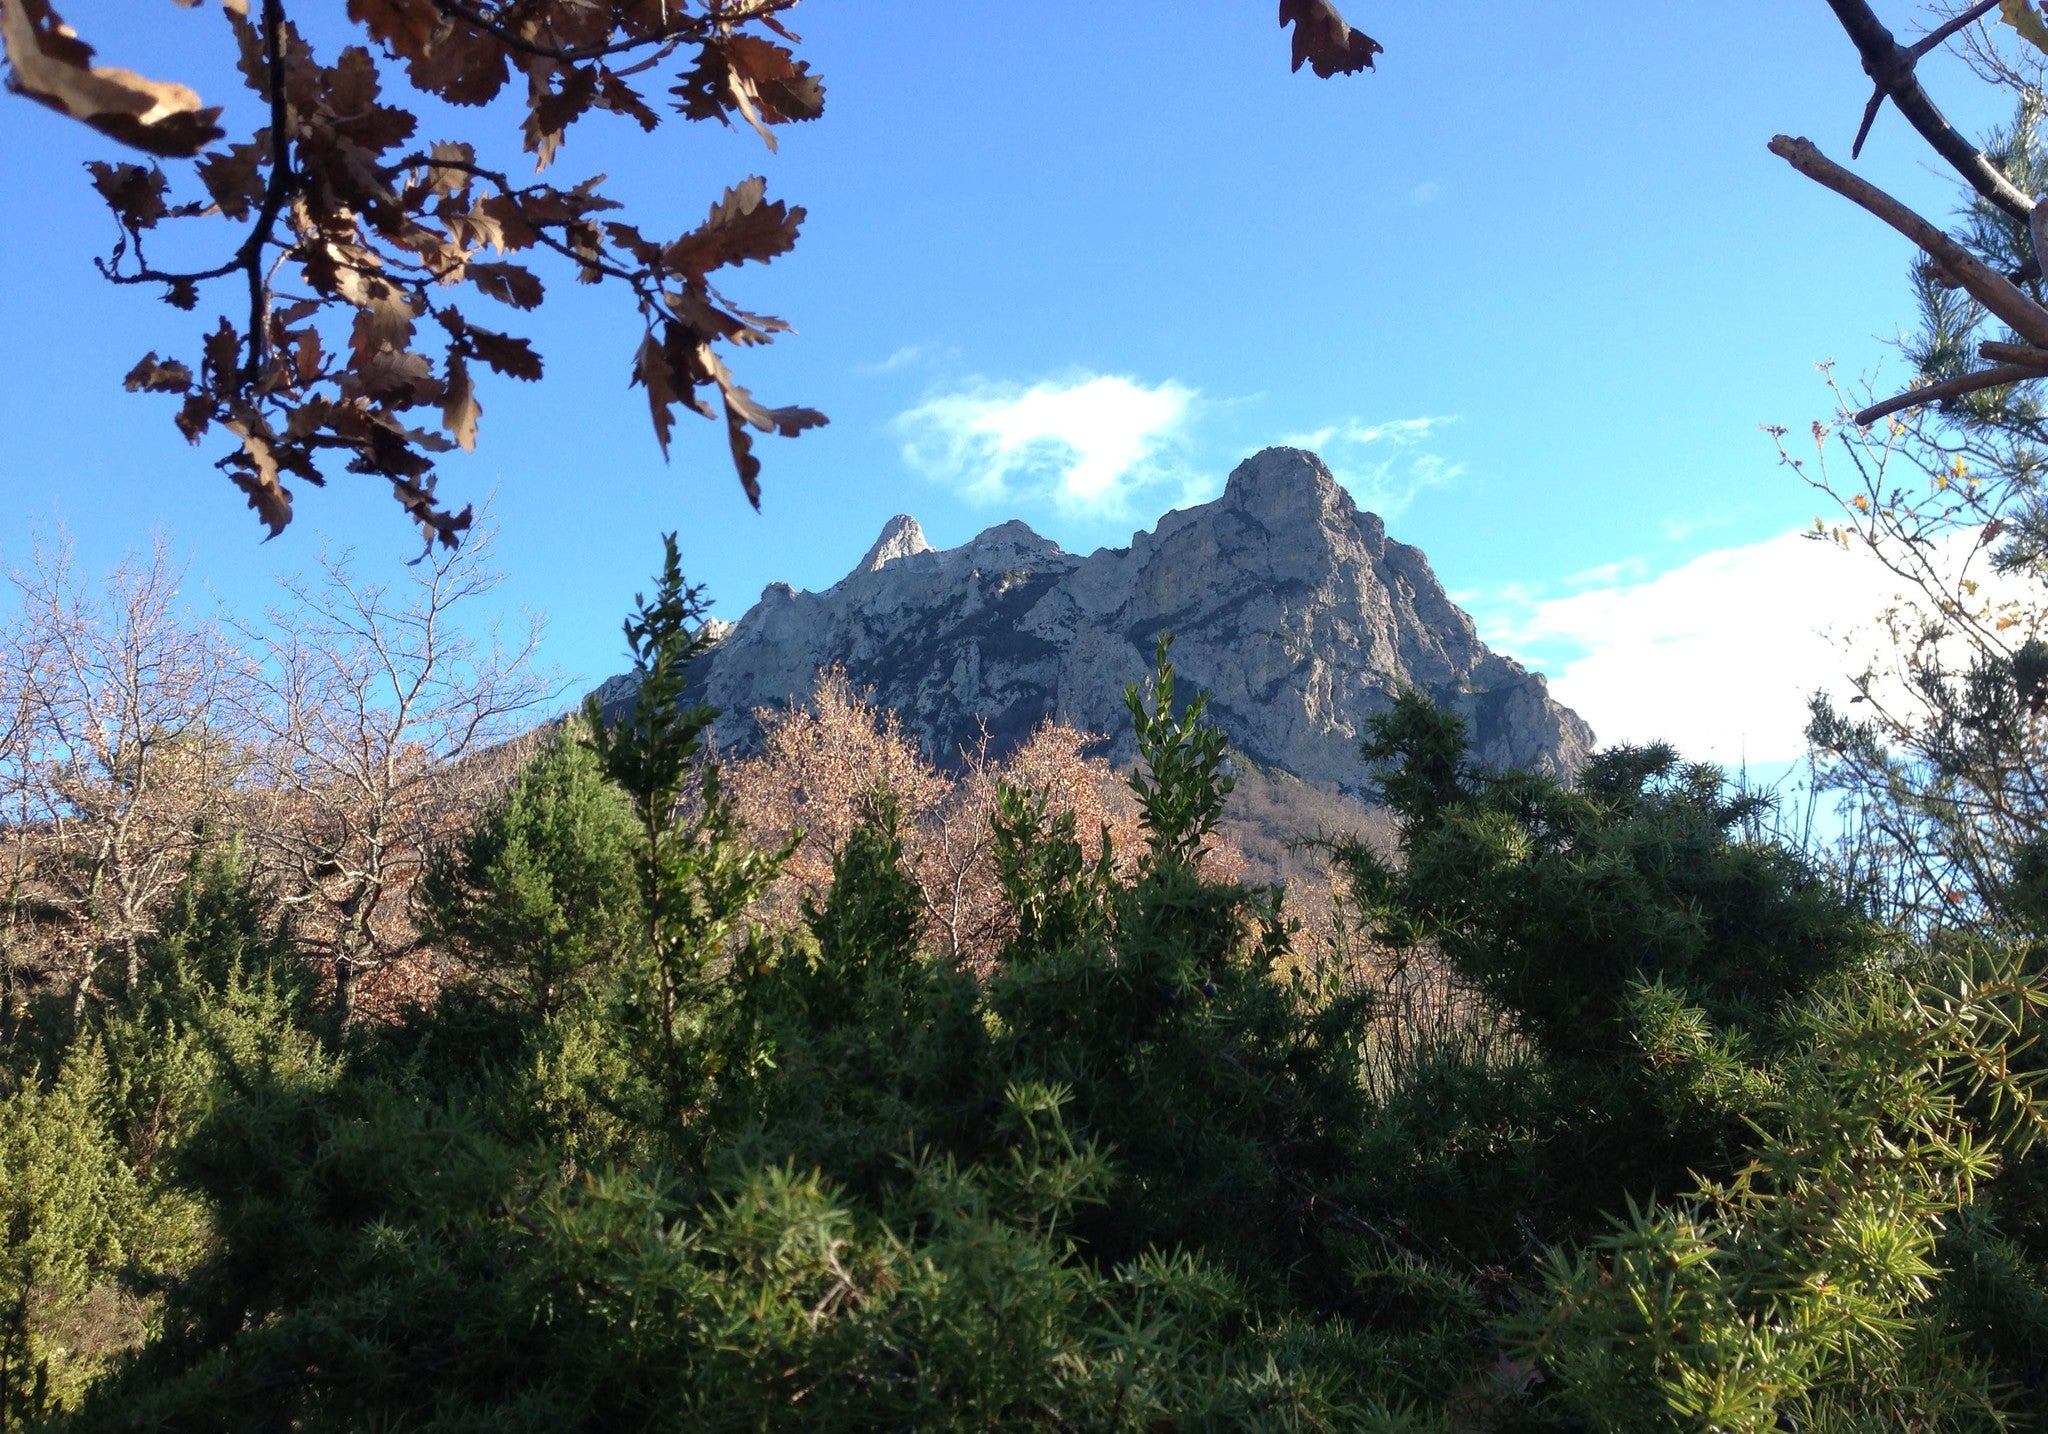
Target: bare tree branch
1951, 388
1987, 286
1891, 66
373, 702
126, 752
1941, 34
2024, 355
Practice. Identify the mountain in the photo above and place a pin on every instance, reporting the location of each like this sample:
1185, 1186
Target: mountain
1288, 604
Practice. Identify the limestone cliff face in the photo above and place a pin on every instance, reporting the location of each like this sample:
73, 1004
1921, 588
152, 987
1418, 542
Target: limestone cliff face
1288, 605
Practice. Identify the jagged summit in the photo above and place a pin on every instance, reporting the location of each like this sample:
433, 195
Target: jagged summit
1288, 604
901, 536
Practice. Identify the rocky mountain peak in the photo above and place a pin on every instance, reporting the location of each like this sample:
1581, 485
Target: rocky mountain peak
1291, 490
1014, 541
901, 537
1288, 605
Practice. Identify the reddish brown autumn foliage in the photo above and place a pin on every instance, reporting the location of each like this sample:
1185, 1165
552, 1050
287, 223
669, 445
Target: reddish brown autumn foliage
817, 764
347, 340
821, 761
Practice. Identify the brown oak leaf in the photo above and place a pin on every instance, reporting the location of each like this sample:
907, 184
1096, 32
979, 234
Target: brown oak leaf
651, 372
508, 284
135, 192
407, 26
154, 375
51, 64
462, 65
763, 81
1325, 40
254, 470
513, 357
444, 177
742, 225
233, 176
400, 378
459, 407
614, 93
194, 416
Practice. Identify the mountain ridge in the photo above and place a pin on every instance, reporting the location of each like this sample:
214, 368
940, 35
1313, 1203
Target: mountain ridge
1289, 605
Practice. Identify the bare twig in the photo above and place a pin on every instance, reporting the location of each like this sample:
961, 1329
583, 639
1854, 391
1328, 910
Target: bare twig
275, 193
1891, 66
1941, 34
1952, 388
1985, 284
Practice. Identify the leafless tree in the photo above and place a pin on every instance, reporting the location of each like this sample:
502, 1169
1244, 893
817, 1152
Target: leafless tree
376, 705
119, 754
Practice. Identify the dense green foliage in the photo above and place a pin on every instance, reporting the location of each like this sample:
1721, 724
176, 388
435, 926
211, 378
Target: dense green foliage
542, 893
1739, 1158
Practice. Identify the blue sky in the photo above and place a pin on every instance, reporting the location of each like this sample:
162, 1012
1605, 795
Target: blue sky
1531, 289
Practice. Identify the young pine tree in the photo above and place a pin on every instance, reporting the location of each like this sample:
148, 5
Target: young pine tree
543, 891
697, 875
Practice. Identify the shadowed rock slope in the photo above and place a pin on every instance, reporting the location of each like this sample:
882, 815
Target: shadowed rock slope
1289, 606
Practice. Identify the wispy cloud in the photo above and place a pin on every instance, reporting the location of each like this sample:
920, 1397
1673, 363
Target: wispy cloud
1677, 530
909, 356
1385, 465
1088, 442
1717, 656
1427, 192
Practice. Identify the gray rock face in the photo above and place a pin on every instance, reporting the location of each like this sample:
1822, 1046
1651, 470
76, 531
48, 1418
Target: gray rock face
1288, 605
901, 538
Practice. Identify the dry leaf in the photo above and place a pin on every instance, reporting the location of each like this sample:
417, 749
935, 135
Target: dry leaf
741, 226
459, 408
234, 178
759, 78
513, 357
256, 474
2023, 17
1324, 40
650, 371
134, 192
508, 284
153, 375
50, 63
408, 26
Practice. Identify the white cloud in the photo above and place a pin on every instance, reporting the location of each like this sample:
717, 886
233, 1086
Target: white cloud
1384, 465
1677, 530
1088, 442
1427, 192
1717, 656
906, 357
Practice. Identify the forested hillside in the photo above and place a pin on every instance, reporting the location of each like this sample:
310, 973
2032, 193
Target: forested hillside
376, 1055
1597, 1107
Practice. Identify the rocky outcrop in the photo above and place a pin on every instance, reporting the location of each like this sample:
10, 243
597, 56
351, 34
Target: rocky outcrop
1288, 605
901, 538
